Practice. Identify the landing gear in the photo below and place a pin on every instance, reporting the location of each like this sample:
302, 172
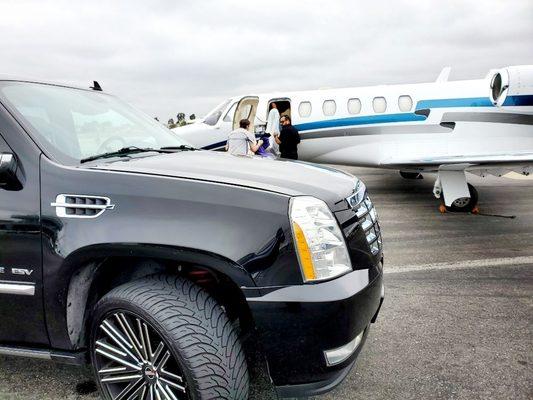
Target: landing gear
411, 175
464, 204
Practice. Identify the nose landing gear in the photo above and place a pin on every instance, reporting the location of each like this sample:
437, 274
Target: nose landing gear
462, 204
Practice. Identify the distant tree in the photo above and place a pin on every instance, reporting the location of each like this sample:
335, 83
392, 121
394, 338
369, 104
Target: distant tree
171, 123
181, 119
192, 117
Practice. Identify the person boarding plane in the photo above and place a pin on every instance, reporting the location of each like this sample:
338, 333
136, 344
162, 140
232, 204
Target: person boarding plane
482, 126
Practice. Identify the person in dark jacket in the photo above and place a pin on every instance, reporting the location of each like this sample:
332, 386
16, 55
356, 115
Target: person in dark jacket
288, 139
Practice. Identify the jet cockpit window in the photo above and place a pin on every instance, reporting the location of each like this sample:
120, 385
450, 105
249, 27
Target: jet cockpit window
329, 107
229, 115
354, 106
213, 117
379, 104
304, 109
405, 103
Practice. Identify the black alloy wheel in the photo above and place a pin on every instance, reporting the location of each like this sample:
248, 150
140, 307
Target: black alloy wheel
165, 338
133, 362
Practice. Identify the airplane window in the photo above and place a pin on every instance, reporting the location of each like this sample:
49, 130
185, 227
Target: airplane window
329, 107
229, 115
354, 106
304, 109
213, 117
379, 104
405, 103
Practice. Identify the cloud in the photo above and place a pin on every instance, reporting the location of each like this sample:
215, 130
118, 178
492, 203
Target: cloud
165, 56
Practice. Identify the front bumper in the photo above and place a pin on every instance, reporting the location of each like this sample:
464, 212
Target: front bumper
297, 324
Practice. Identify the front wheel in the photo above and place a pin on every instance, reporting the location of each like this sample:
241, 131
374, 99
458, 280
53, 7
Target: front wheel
465, 204
164, 337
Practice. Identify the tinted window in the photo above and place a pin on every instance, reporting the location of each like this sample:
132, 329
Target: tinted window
72, 124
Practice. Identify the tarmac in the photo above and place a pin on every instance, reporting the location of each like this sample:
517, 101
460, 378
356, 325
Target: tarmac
457, 321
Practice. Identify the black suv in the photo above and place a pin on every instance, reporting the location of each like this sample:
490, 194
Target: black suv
122, 246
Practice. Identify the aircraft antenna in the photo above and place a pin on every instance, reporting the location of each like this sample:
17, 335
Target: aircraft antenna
96, 86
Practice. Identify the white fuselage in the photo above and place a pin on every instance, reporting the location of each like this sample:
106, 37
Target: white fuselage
415, 127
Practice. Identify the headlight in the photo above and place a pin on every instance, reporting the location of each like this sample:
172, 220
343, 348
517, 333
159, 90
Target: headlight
321, 249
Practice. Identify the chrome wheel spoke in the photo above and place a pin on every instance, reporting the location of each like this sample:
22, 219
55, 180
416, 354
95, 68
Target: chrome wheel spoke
133, 362
146, 337
169, 375
143, 393
126, 327
143, 343
173, 384
170, 393
116, 337
121, 378
157, 353
163, 361
118, 359
131, 390
161, 390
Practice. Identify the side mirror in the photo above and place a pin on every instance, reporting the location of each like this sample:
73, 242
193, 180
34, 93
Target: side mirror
9, 172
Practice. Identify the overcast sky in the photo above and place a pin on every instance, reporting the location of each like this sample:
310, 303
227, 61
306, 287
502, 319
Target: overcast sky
166, 57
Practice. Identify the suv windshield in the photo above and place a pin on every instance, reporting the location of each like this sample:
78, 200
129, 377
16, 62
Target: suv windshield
74, 124
214, 115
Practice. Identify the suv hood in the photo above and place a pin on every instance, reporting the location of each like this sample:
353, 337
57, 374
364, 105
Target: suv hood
281, 176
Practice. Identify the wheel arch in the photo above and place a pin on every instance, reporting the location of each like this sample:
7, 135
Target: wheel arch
95, 270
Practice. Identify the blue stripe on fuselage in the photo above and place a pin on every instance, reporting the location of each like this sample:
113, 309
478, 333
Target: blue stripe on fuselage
523, 100
518, 100
444, 103
364, 120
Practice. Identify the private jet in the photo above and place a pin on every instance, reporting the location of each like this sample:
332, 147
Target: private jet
483, 127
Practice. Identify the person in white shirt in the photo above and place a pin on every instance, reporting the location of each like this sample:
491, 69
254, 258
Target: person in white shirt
272, 127
241, 142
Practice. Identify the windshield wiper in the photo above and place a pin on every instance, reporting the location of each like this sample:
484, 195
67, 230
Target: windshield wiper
181, 147
125, 151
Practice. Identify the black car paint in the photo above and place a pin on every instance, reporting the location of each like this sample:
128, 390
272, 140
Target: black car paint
226, 213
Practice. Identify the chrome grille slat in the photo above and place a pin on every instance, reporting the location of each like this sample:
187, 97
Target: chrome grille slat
367, 219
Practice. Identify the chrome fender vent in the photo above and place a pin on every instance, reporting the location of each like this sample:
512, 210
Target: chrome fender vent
81, 206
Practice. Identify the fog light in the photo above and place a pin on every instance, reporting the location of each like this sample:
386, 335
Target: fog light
340, 354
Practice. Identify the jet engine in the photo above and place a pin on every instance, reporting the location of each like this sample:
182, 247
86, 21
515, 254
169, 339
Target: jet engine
510, 85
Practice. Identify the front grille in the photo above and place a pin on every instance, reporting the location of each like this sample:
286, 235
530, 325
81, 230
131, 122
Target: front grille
365, 217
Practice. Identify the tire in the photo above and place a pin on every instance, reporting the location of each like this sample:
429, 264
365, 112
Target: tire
411, 175
204, 357
464, 204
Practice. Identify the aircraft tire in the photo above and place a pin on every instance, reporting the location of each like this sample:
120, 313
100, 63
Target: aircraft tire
464, 204
411, 175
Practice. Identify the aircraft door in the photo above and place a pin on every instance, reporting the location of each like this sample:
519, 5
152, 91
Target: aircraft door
246, 109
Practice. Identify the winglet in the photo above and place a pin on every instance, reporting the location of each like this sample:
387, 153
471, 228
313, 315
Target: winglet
444, 74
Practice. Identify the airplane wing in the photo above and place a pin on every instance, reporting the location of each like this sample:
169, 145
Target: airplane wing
469, 161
